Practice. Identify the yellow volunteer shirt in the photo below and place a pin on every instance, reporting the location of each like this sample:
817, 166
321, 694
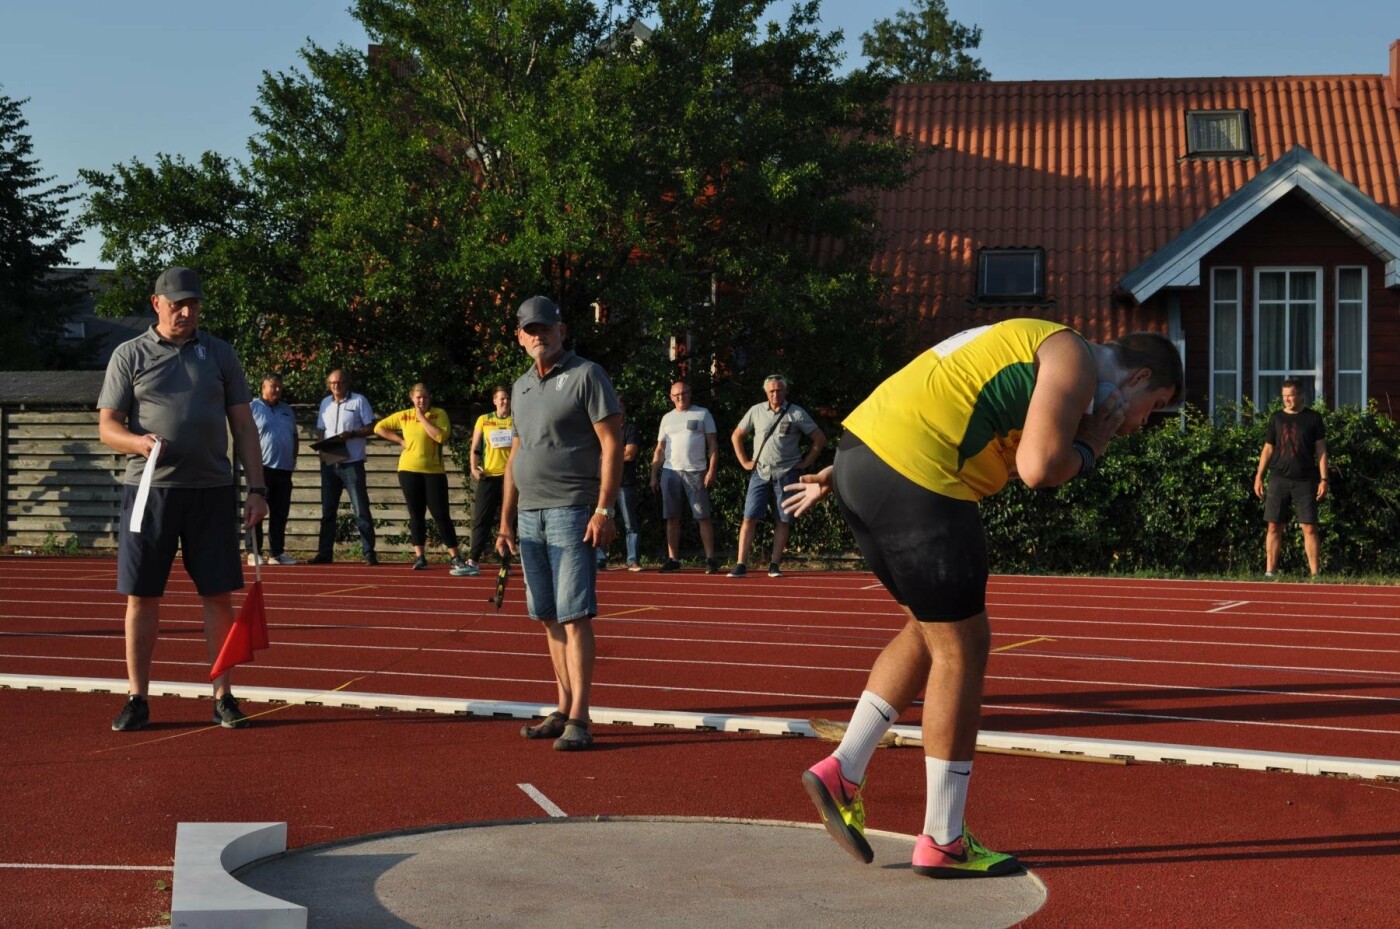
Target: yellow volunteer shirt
497, 434
421, 454
951, 419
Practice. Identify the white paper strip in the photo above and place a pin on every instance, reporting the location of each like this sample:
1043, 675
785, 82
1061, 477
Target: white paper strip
138, 509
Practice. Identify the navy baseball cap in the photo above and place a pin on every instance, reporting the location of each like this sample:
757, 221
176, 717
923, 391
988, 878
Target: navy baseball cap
176, 284
538, 310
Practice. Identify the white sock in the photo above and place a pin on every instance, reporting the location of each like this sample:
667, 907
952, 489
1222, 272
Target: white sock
947, 798
869, 723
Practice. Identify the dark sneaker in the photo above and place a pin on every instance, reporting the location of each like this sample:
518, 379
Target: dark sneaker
420, 563
576, 737
464, 569
551, 727
371, 559
774, 570
739, 570
135, 714
320, 559
227, 713
602, 566
669, 565
711, 565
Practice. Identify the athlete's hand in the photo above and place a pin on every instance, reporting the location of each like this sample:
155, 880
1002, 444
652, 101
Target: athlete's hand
505, 542
807, 491
1096, 429
254, 510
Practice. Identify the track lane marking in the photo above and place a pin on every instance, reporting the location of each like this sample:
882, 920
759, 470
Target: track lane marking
541, 800
85, 867
640, 609
1228, 604
346, 590
1007, 648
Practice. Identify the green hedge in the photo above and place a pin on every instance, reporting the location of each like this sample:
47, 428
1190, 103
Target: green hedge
1179, 499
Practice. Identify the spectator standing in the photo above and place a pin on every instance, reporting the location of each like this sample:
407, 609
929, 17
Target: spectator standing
345, 418
627, 492
492, 437
777, 461
683, 469
420, 430
560, 486
277, 434
1295, 455
169, 399
1023, 396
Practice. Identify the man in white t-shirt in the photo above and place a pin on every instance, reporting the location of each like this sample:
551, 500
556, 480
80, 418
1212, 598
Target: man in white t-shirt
683, 469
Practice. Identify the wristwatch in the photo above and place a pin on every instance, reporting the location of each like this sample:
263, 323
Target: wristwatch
604, 511
260, 491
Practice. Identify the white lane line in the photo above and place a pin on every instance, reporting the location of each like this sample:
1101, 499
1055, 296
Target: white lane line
84, 867
1169, 718
544, 802
1228, 604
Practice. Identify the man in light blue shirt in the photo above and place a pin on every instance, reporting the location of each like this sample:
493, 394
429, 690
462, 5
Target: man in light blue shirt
345, 420
277, 434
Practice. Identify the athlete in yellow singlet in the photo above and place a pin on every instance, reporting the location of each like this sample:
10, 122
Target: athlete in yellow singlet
1023, 398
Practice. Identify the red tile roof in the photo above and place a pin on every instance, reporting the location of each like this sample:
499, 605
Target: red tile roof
1096, 173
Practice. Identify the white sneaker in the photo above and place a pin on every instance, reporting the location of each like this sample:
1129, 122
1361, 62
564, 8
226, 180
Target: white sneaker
254, 559
283, 558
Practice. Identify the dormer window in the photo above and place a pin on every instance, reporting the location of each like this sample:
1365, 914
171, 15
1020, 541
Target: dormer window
1011, 274
1218, 132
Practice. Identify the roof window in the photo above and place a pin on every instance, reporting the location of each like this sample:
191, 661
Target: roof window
1006, 274
1218, 132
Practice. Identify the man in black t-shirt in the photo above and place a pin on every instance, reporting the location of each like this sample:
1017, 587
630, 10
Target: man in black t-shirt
1295, 455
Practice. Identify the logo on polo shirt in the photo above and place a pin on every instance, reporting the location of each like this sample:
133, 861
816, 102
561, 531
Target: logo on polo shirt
559, 382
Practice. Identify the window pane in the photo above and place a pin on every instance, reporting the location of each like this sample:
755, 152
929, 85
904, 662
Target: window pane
1227, 284
1225, 390
1302, 341
1225, 337
1270, 386
1349, 390
1271, 286
1271, 353
1349, 284
1349, 337
1302, 287
1009, 275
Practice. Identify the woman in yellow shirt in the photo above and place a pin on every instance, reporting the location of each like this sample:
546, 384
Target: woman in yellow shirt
421, 429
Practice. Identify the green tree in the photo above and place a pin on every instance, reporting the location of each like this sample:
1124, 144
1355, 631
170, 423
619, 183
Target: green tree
923, 45
709, 182
35, 235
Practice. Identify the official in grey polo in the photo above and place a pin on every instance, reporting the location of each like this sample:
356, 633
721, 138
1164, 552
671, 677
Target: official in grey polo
179, 390
560, 491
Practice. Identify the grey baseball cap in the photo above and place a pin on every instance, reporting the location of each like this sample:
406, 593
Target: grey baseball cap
538, 310
176, 284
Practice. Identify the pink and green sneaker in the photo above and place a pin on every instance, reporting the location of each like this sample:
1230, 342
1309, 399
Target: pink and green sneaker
840, 805
963, 857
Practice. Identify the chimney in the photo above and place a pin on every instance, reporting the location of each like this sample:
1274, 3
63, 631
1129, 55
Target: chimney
1392, 82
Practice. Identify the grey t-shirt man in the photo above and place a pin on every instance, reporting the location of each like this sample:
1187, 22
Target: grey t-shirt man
558, 462
781, 452
182, 394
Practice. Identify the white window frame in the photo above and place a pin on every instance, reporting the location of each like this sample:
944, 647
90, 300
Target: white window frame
1365, 334
1239, 340
1194, 121
1319, 303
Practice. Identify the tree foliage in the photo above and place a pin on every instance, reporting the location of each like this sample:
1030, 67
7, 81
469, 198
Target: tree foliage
923, 45
708, 183
35, 235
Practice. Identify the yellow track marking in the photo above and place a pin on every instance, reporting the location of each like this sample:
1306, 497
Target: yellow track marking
1007, 648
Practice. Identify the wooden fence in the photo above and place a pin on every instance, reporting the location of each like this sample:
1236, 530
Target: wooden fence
59, 483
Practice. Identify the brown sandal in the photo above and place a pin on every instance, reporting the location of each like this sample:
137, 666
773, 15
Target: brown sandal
552, 727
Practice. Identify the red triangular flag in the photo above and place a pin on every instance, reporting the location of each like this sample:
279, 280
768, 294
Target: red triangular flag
248, 632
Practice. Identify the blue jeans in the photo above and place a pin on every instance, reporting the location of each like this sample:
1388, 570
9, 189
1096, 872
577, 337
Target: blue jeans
347, 476
560, 574
627, 512
766, 496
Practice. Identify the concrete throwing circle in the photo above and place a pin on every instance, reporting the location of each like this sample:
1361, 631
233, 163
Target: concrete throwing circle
632, 873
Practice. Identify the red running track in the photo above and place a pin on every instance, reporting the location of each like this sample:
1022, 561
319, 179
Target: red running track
1301, 668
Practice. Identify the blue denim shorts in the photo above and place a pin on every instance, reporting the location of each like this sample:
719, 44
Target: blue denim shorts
767, 495
560, 572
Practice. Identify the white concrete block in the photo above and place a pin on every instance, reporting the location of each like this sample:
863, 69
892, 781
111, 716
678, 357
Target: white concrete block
206, 895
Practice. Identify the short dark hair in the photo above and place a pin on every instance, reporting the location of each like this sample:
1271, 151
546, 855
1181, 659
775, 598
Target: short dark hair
1157, 354
1294, 382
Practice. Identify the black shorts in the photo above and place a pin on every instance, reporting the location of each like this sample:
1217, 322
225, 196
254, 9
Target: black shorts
929, 551
1303, 493
201, 522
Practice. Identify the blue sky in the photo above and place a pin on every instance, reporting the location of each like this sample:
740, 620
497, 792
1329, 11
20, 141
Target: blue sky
111, 81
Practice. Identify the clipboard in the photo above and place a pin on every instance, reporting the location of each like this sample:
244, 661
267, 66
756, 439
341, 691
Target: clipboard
331, 450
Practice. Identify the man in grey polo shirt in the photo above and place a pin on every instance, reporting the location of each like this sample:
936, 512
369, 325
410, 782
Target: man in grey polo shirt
561, 479
170, 396
777, 461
